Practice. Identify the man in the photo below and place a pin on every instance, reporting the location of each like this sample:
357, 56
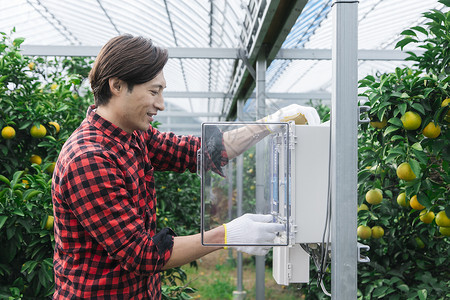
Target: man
106, 244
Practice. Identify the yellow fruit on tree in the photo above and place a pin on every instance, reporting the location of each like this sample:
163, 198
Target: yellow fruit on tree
415, 204
411, 120
374, 196
420, 244
56, 125
35, 159
38, 131
377, 232
54, 86
432, 130
444, 231
51, 168
442, 219
405, 172
426, 216
8, 132
401, 200
49, 223
444, 103
31, 66
379, 125
363, 207
364, 232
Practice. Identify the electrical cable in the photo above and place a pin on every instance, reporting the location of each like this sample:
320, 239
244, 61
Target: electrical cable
325, 245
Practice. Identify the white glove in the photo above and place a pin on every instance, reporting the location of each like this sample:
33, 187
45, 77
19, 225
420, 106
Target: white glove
252, 229
294, 112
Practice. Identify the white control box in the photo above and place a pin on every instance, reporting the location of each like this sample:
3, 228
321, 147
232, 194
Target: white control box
310, 157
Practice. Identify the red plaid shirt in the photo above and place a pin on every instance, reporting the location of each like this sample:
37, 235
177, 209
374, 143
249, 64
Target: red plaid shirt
105, 210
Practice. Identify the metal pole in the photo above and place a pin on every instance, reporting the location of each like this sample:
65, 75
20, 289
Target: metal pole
261, 64
239, 294
344, 120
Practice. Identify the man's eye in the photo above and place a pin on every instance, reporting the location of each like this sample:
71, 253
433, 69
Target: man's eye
154, 93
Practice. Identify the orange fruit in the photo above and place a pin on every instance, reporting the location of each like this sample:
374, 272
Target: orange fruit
363, 207
411, 120
432, 130
442, 219
8, 132
51, 168
364, 232
405, 172
377, 232
401, 200
444, 103
56, 125
38, 131
379, 125
426, 216
419, 243
415, 204
374, 196
444, 231
35, 159
49, 223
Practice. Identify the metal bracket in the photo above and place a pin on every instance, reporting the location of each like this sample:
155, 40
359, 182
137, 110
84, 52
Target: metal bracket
361, 110
363, 258
242, 54
199, 162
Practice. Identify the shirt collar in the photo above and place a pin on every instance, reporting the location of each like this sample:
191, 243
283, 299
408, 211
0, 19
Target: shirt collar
109, 129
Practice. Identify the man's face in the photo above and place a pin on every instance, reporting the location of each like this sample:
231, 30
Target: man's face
135, 110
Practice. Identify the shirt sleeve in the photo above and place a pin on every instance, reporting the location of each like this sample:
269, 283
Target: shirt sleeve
170, 152
95, 190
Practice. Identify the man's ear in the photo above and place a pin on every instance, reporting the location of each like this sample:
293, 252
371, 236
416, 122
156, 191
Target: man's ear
116, 85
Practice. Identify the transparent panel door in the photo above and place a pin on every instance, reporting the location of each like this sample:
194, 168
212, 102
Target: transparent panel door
244, 168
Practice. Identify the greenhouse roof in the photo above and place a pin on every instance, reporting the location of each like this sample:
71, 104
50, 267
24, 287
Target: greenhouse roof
213, 45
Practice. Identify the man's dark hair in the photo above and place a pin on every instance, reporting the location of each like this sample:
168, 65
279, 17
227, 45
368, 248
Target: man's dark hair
134, 60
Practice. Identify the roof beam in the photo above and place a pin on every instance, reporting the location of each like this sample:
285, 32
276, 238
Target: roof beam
218, 53
277, 19
221, 95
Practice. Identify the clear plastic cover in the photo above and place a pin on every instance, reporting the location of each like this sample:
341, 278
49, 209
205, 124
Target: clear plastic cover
254, 178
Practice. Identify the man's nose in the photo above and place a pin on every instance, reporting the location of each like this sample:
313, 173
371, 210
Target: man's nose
160, 103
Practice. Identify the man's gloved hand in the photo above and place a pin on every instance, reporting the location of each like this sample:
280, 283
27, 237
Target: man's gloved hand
294, 112
252, 229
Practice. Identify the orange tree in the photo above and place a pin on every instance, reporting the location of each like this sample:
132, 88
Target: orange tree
41, 103
407, 159
53, 93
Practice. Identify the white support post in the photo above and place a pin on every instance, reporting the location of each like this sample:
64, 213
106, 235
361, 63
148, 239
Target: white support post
261, 66
344, 147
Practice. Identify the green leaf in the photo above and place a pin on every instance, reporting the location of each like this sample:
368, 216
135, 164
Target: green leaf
418, 107
396, 121
18, 211
415, 166
403, 287
30, 194
16, 177
404, 42
390, 129
397, 137
5, 180
3, 220
417, 146
25, 125
408, 32
18, 41
420, 29
422, 294
421, 156
379, 291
